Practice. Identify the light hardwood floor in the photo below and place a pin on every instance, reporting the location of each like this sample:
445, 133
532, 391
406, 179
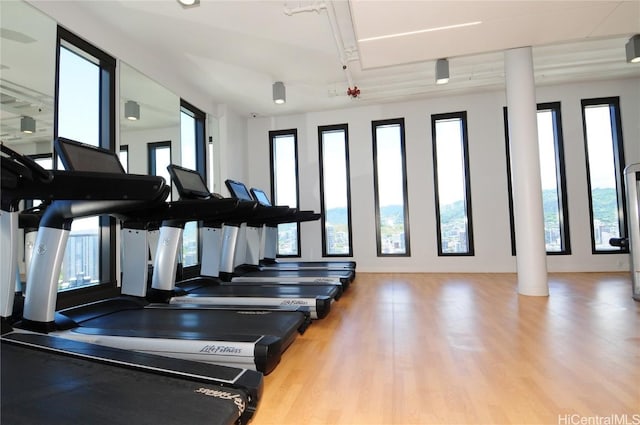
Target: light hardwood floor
464, 349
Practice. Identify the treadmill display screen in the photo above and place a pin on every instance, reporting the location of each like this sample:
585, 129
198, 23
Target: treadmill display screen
261, 197
238, 190
189, 182
76, 156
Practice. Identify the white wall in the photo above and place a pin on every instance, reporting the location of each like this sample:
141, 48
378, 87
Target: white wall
233, 161
487, 168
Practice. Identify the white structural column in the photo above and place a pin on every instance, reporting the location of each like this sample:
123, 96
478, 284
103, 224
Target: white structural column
531, 257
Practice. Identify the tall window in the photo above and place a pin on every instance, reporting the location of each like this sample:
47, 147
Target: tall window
159, 155
284, 186
335, 190
390, 188
85, 111
605, 163
452, 183
123, 155
552, 176
44, 160
192, 157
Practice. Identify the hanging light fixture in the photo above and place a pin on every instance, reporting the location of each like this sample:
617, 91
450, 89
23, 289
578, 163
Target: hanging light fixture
189, 3
442, 71
279, 93
132, 110
27, 125
633, 49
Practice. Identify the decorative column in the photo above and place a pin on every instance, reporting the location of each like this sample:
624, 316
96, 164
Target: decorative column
531, 256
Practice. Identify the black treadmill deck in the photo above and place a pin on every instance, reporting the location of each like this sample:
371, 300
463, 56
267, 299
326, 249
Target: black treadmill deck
45, 384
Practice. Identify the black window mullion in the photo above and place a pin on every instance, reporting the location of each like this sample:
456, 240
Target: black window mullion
561, 181
468, 220
321, 131
273, 138
613, 104
106, 135
199, 117
399, 122
563, 203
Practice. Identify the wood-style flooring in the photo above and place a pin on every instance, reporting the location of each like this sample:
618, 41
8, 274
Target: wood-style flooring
464, 349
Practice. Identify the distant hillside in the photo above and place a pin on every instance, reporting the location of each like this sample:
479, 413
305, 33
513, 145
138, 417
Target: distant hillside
336, 216
604, 201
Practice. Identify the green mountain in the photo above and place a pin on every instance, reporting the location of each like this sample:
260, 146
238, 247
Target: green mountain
605, 208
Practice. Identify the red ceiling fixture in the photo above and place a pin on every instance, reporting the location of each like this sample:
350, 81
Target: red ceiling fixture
353, 92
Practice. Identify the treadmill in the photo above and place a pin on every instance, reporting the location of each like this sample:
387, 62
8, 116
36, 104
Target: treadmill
631, 243
251, 271
269, 261
253, 339
56, 381
207, 289
49, 380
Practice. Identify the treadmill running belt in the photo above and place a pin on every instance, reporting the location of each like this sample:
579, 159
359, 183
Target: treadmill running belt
189, 323
39, 388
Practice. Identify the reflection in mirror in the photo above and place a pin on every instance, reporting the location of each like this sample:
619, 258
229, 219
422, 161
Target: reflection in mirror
27, 78
149, 118
157, 117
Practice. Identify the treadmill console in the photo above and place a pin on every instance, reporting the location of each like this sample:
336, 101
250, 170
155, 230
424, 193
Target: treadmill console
238, 190
76, 156
261, 197
189, 183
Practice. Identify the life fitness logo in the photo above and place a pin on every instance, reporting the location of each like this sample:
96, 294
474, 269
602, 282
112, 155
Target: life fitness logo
225, 395
220, 349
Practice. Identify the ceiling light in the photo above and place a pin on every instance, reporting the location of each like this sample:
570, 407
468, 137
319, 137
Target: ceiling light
403, 34
633, 49
279, 93
189, 3
27, 125
132, 110
442, 71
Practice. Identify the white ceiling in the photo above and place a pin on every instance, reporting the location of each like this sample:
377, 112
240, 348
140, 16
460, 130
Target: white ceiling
234, 50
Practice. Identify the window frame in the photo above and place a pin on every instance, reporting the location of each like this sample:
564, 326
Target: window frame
273, 135
124, 149
407, 237
152, 148
321, 131
561, 178
619, 165
462, 116
199, 118
107, 139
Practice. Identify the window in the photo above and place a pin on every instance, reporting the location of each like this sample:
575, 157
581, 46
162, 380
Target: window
159, 158
85, 111
605, 163
192, 156
44, 160
452, 184
335, 190
390, 188
553, 181
284, 186
124, 157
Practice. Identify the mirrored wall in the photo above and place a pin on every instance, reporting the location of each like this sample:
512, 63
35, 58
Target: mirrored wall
27, 91
149, 113
27, 78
